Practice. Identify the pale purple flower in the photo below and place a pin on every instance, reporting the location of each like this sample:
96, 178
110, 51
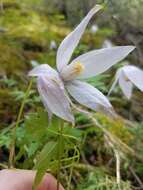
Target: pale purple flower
54, 86
127, 76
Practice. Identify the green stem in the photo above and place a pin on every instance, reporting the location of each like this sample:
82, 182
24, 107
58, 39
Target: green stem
12, 149
59, 154
4, 166
64, 135
71, 169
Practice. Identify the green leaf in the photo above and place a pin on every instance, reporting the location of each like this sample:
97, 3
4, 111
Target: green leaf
73, 133
47, 154
36, 125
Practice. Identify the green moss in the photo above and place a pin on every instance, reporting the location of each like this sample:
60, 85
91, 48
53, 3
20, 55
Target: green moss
98, 179
116, 127
7, 108
11, 60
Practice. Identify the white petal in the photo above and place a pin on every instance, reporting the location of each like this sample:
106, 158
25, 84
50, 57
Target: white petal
54, 98
125, 85
68, 45
98, 61
135, 75
34, 63
43, 98
88, 96
43, 69
118, 73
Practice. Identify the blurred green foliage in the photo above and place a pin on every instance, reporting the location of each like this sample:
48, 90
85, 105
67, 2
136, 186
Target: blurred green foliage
99, 180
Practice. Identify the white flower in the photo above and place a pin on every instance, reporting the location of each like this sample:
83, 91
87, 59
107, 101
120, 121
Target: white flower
94, 28
53, 85
53, 44
128, 76
107, 44
34, 63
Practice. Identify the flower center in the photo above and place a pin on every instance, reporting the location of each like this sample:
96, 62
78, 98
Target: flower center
126, 79
72, 71
78, 68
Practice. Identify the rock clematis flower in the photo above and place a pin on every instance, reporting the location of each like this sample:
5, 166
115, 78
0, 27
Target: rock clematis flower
127, 76
54, 86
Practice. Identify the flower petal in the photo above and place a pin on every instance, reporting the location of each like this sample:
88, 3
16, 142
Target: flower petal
135, 75
118, 73
54, 98
43, 98
98, 61
43, 69
88, 96
126, 85
68, 45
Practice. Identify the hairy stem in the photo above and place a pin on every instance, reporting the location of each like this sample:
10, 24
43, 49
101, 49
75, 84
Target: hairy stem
12, 146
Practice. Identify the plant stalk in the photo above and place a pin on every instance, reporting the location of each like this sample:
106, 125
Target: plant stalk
71, 169
118, 175
59, 154
12, 146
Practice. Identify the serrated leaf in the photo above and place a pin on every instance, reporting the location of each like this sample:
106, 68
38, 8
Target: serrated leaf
36, 125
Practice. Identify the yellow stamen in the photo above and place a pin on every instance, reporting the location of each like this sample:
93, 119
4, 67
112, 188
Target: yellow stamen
78, 68
126, 79
72, 71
